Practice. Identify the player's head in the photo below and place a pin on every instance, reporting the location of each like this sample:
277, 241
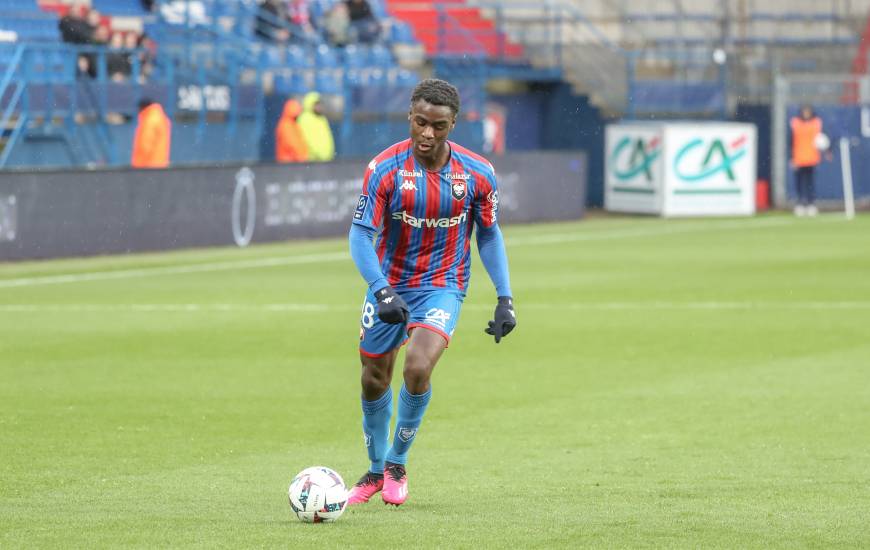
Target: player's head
806, 111
434, 106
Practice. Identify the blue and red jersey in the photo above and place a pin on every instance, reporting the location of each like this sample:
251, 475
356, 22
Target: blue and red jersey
425, 219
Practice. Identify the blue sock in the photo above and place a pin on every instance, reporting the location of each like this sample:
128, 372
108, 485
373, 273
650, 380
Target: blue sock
411, 410
376, 428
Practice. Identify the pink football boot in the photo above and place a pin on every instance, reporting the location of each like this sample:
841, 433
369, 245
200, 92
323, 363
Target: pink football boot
365, 488
395, 484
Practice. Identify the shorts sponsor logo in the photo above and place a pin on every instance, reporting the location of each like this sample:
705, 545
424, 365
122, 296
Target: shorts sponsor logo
408, 185
459, 189
411, 173
430, 222
407, 434
361, 207
437, 317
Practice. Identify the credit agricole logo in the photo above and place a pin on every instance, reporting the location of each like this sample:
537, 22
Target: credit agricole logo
717, 158
634, 156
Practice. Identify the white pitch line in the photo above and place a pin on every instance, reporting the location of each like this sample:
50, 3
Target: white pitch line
331, 308
554, 238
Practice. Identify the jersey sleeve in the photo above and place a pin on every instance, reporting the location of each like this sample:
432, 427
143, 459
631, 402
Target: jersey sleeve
486, 199
375, 198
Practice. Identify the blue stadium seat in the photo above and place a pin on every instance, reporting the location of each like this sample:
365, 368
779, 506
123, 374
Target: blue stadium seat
272, 56
129, 8
401, 33
381, 56
299, 57
328, 82
292, 83
325, 57
355, 57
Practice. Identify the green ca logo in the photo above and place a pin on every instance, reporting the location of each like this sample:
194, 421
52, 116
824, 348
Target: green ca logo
640, 160
724, 160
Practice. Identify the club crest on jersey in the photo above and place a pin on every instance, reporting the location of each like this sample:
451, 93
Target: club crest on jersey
458, 189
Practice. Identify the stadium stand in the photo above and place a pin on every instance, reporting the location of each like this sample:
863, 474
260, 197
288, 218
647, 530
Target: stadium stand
204, 60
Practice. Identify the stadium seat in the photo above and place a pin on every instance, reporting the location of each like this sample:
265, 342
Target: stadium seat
328, 82
326, 57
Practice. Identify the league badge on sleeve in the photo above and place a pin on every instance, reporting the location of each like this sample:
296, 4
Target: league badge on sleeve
361, 207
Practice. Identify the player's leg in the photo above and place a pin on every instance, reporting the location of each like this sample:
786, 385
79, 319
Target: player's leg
379, 346
432, 324
811, 191
424, 349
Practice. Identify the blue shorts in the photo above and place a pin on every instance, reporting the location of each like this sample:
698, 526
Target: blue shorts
436, 310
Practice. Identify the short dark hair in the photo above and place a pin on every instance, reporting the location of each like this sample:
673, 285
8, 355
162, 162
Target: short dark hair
145, 102
437, 92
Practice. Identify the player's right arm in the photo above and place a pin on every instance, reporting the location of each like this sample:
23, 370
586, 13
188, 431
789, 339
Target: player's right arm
367, 221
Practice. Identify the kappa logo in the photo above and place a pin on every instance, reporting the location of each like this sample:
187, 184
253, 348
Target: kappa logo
438, 316
388, 300
408, 185
407, 434
459, 189
368, 439
372, 165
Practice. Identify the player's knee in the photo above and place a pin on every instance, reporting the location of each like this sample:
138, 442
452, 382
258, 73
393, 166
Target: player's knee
374, 381
417, 372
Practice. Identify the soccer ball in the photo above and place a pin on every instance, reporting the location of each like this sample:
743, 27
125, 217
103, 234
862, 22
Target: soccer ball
318, 494
822, 142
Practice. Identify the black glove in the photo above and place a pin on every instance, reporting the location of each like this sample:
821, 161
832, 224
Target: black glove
392, 308
505, 319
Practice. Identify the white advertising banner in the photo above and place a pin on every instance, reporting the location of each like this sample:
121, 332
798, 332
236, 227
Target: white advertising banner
633, 167
710, 169
681, 168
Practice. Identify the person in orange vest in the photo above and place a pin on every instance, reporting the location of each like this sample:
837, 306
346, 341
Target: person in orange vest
290, 144
807, 143
153, 136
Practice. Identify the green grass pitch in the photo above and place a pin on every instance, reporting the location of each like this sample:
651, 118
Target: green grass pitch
671, 383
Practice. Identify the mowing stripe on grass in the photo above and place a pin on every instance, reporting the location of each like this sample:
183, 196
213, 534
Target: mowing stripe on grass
554, 238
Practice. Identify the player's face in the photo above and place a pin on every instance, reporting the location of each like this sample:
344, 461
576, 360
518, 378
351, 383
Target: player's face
430, 126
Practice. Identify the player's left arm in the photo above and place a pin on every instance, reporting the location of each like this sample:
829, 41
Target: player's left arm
490, 244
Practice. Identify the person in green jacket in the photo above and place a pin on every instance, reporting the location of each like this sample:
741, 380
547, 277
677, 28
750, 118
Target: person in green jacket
315, 129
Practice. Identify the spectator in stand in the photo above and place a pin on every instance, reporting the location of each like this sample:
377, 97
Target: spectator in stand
153, 136
95, 20
290, 144
119, 66
336, 25
100, 37
74, 29
363, 22
271, 17
315, 128
147, 52
300, 16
